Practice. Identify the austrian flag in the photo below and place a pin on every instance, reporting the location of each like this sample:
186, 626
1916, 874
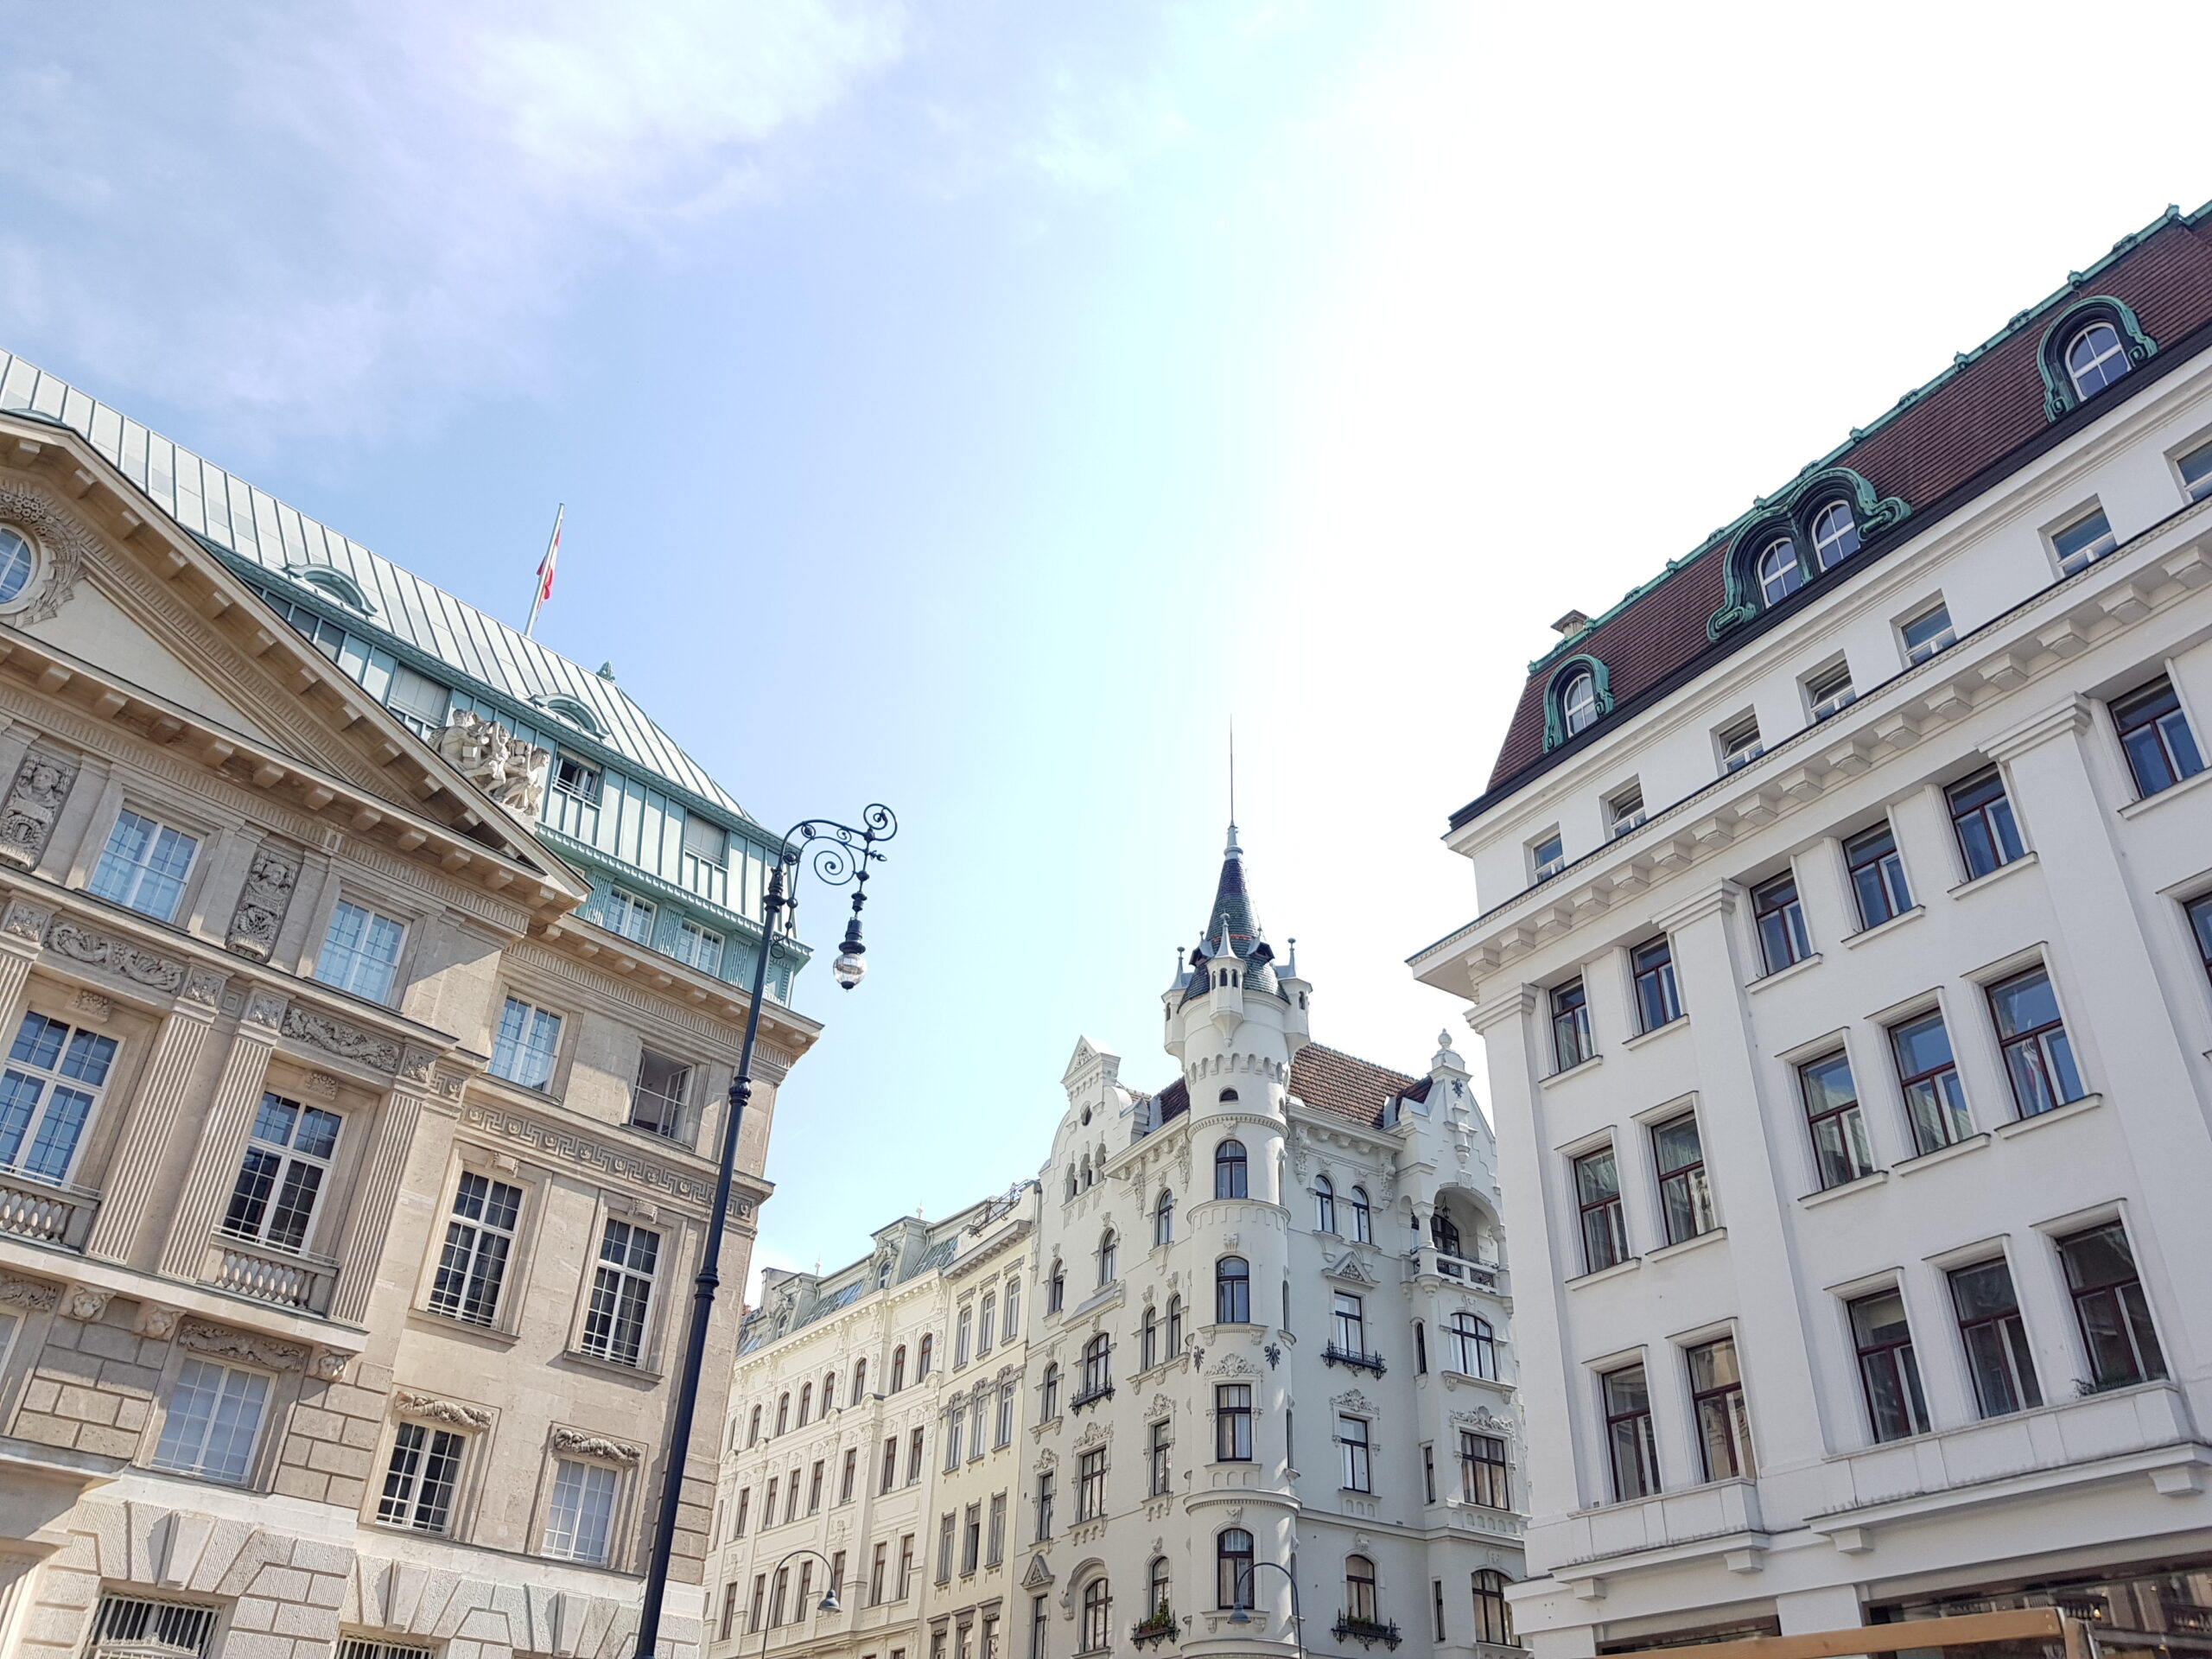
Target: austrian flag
545, 572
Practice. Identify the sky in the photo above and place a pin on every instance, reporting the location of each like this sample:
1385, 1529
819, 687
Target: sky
981, 406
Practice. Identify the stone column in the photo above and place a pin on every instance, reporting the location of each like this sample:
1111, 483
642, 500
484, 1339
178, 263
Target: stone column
137, 1161
230, 1116
368, 1223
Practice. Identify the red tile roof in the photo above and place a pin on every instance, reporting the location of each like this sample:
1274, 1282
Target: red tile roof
1989, 408
1328, 1080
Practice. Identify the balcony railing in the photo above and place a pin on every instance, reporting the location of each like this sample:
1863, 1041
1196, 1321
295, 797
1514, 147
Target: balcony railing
51, 1213
246, 1266
1367, 1631
1091, 1396
1483, 1275
1336, 1354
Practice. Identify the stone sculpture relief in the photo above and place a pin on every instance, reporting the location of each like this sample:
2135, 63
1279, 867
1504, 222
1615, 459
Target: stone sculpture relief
347, 1042
262, 902
512, 772
34, 799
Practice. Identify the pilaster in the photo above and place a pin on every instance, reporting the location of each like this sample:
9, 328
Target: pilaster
137, 1159
368, 1223
230, 1115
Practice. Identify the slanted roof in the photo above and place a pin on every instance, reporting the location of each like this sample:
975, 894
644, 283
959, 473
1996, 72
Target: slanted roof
1344, 1085
254, 527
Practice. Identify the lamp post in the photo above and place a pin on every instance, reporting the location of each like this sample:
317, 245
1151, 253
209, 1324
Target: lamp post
841, 859
827, 1604
1242, 1591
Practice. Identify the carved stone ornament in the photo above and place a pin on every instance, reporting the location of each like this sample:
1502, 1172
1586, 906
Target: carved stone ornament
347, 1042
408, 1404
593, 1446
262, 902
61, 543
322, 1086
1484, 1421
92, 1005
255, 1350
156, 1322
414, 1065
81, 944
1353, 1401
86, 1302
329, 1364
34, 799
34, 1294
512, 772
1235, 1366
264, 1009
26, 920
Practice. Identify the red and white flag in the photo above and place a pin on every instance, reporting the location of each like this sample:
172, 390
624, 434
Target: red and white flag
545, 572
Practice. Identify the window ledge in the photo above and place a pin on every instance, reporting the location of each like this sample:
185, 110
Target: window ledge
1997, 874
1684, 1246
1942, 1155
1873, 1178
1795, 968
637, 1373
1625, 1265
1851, 941
1643, 1036
2071, 1109
2137, 808
454, 1323
1575, 1070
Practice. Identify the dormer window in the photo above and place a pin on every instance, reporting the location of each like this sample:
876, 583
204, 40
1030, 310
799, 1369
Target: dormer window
1835, 535
1780, 574
1578, 701
2095, 358
335, 584
572, 710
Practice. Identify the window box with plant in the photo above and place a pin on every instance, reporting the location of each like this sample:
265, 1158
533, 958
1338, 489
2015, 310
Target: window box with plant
1367, 1631
1158, 1625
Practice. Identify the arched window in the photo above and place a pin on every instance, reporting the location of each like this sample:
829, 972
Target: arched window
1363, 1219
1228, 1096
1229, 1169
829, 1391
783, 1411
1474, 1349
899, 1367
336, 583
1155, 1590
1086, 1172
1071, 1185
963, 1329
922, 1357
1578, 701
1097, 1363
753, 1427
805, 1404
1048, 1395
1835, 535
1056, 1289
1174, 1326
1163, 1218
1232, 1554
1359, 1589
1444, 1232
1493, 1613
1232, 1291
2095, 358
860, 1381
1097, 1633
1107, 1252
1779, 572
1324, 1205
1013, 1309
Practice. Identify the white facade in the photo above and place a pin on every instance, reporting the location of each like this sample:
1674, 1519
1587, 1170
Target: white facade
2014, 1455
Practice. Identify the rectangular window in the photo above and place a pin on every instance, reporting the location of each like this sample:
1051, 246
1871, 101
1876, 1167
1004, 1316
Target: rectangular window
2154, 732
878, 1566
1156, 1448
995, 1547
971, 1540
914, 1457
906, 1564
1349, 1315
144, 866
1657, 1001
2088, 538
1044, 1483
1428, 1473
577, 777
2038, 1056
1483, 1473
2196, 472
1002, 1432
622, 1294
1935, 1101
580, 1522
215, 1417
1040, 1627
1876, 875
1780, 920
420, 703
658, 1097
705, 840
1829, 692
630, 916
848, 1474
419, 1480
1090, 1486
890, 1475
699, 947
1571, 1041
1724, 1425
1624, 811
361, 952
1548, 856
986, 1325
145, 1629
945, 1524
759, 1602
1995, 1338
1358, 1469
1840, 1150
2110, 1307
1630, 1445
52, 1082
1597, 1194
744, 1507
480, 1239
814, 1488
1888, 1376
1738, 743
1981, 817
1685, 1192
2199, 925
1929, 632
282, 1175
523, 1049
1232, 1419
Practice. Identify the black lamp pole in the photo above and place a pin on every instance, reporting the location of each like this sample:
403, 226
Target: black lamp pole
1242, 1591
841, 860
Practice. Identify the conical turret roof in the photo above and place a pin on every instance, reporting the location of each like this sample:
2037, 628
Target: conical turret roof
1231, 928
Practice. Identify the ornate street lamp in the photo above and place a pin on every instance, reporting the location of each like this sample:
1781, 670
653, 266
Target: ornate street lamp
1242, 1593
842, 855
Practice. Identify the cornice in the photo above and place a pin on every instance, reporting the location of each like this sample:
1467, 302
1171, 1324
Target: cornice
2062, 720
1516, 1001
959, 1268
1718, 899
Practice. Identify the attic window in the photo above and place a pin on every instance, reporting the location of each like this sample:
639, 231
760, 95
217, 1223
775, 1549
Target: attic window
1780, 575
2095, 358
334, 583
572, 710
1227, 1094
1578, 702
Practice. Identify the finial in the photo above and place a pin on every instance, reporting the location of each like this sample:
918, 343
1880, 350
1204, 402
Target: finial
1444, 1040
1179, 969
1290, 968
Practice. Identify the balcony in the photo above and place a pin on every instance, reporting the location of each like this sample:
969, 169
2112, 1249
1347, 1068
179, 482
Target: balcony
1479, 1275
50, 1212
1352, 1357
247, 1266
1091, 1396
1366, 1631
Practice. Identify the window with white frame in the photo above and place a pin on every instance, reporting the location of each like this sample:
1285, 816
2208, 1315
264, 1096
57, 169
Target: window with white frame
577, 777
419, 701
281, 1178
580, 1519
1928, 633
52, 1084
133, 1626
144, 866
524, 1048
2195, 468
630, 916
621, 1293
661, 1094
2084, 541
1547, 856
1835, 535
1779, 571
480, 1241
361, 952
1738, 743
697, 947
212, 1421
1352, 1441
420, 1477
2095, 358
1625, 810
1829, 691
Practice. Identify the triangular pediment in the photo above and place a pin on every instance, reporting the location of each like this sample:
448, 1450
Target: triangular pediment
1039, 1576
1351, 1270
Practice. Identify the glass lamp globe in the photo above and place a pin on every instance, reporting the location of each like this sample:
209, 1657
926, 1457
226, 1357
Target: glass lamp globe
847, 969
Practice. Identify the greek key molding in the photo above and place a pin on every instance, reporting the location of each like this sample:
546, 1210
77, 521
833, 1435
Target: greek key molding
593, 1446
568, 1145
408, 1404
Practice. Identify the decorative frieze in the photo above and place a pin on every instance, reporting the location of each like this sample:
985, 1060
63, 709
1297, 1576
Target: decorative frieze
34, 1295
593, 1446
566, 1144
34, 802
431, 1409
347, 1042
111, 955
270, 879
272, 1353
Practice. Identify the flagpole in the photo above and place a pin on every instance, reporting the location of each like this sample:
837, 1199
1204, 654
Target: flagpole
545, 572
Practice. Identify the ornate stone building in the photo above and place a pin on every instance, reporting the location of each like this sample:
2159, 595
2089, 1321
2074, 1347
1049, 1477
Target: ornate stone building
366, 974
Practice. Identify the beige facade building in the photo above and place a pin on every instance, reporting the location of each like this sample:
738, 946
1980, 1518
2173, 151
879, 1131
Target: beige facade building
874, 1445
363, 971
